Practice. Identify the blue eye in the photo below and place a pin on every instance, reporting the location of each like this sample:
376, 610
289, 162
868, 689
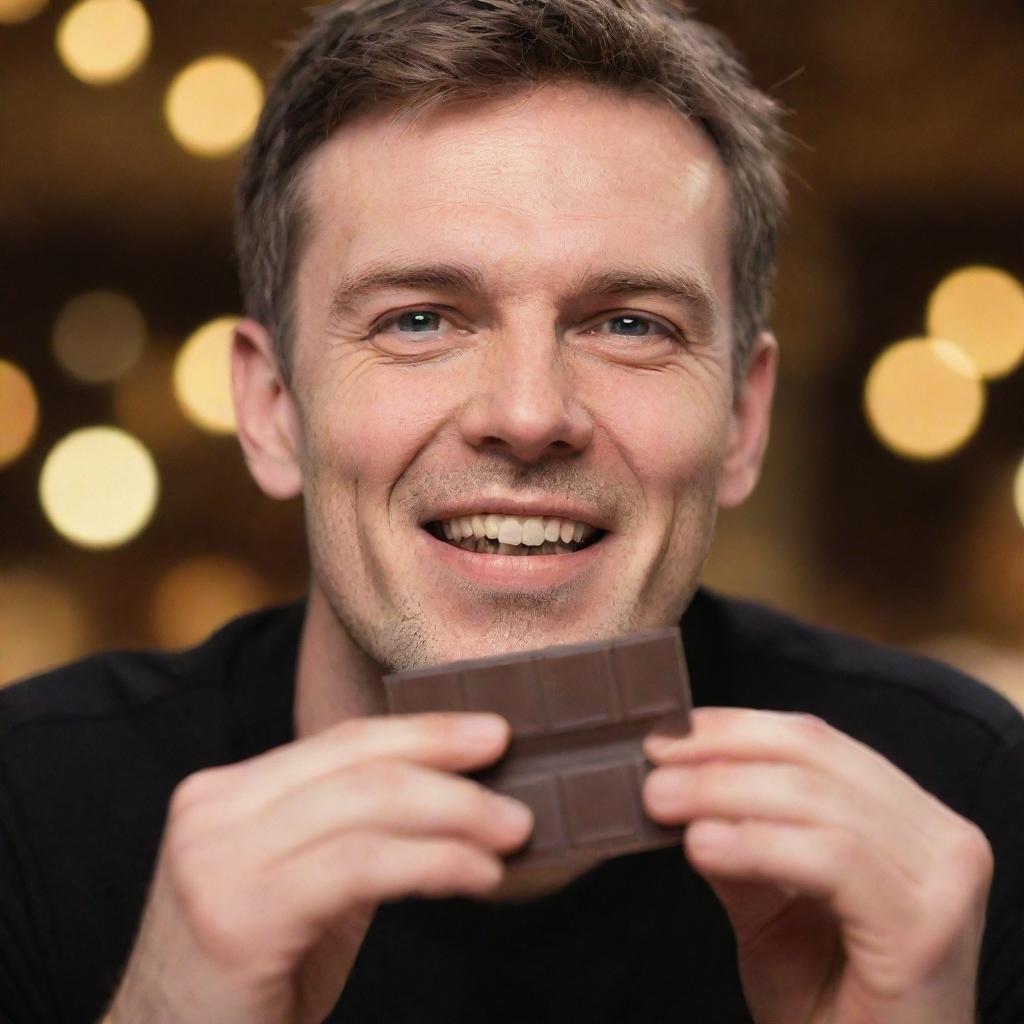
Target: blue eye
635, 326
413, 321
417, 321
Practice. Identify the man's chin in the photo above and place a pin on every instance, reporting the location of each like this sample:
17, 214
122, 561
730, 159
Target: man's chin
520, 630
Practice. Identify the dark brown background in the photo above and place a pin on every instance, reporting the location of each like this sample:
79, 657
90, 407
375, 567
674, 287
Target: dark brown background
908, 162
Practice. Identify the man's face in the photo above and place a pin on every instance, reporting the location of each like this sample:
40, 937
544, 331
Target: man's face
513, 317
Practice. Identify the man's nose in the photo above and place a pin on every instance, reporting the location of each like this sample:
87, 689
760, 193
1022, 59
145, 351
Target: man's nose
524, 402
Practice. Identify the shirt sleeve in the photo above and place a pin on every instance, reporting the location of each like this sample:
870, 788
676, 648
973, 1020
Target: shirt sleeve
25, 990
1000, 814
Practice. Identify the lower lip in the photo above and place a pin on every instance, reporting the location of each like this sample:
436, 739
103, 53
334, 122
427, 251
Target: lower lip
518, 572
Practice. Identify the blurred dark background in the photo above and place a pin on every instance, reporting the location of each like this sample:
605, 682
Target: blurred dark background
907, 164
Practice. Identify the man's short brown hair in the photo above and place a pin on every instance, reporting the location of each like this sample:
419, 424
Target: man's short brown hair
418, 54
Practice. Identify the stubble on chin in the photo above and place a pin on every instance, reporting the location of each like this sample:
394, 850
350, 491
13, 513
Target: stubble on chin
502, 624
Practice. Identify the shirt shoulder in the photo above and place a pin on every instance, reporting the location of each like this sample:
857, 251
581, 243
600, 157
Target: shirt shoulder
120, 682
772, 647
939, 725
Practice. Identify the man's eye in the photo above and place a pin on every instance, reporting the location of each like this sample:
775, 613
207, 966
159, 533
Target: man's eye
413, 321
636, 327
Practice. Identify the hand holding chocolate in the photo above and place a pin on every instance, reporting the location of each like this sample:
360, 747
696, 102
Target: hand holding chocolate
578, 715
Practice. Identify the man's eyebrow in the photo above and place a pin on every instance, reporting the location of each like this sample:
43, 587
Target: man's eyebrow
381, 276
681, 286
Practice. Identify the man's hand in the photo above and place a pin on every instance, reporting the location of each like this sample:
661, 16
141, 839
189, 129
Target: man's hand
855, 896
270, 869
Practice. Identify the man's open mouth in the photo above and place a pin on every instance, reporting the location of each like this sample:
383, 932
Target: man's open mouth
489, 534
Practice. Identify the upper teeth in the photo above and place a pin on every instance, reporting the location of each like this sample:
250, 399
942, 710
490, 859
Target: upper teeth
531, 531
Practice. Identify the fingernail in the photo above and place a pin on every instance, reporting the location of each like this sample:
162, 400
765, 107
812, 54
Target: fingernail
667, 786
514, 812
666, 732
484, 727
660, 744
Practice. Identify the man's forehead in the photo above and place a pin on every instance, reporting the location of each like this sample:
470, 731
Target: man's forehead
565, 149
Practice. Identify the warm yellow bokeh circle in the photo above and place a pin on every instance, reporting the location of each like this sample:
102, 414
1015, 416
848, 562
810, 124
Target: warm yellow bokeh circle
202, 376
981, 310
99, 487
43, 623
923, 398
201, 593
19, 412
212, 105
104, 41
98, 336
14, 12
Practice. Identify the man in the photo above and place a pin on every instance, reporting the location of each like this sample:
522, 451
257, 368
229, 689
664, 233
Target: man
506, 261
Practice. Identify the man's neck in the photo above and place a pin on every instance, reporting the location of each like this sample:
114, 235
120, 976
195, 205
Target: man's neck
334, 679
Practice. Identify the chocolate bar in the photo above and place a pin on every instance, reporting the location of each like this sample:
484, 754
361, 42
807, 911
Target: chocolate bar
578, 715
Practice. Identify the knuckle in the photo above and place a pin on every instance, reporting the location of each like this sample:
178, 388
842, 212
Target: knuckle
807, 785
211, 896
708, 784
810, 727
706, 778
358, 855
195, 871
192, 790
979, 850
385, 777
844, 850
970, 856
453, 867
196, 806
197, 882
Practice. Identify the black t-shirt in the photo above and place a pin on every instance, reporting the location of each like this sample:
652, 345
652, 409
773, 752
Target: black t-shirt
90, 753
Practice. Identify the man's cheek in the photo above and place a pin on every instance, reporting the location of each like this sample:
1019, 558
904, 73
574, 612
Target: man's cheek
665, 442
364, 434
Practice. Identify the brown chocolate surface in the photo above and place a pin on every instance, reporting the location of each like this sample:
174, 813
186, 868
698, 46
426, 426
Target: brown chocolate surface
578, 715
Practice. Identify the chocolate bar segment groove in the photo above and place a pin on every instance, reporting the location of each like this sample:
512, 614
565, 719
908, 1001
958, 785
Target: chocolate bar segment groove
578, 714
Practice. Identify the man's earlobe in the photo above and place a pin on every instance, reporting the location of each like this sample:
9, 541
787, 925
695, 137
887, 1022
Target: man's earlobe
751, 420
269, 429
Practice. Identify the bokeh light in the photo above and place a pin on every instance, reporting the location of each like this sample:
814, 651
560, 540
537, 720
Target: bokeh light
213, 104
923, 398
13, 12
98, 336
202, 376
104, 41
1018, 492
19, 412
99, 487
42, 624
981, 309
199, 594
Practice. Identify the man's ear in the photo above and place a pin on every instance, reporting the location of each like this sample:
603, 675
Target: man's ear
269, 428
751, 417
